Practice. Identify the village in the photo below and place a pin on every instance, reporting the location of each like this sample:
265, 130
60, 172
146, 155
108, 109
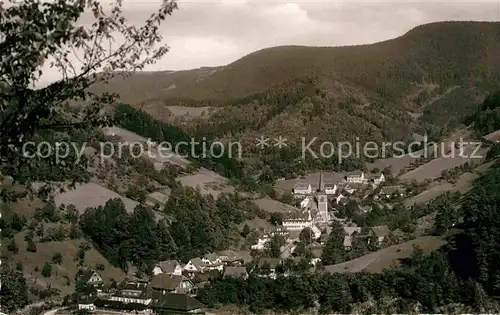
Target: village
171, 280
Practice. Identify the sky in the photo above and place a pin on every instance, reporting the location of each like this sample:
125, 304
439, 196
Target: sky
213, 33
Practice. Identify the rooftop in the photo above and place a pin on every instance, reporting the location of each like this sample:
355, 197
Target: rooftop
176, 302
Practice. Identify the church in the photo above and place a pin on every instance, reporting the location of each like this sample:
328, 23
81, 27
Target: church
314, 209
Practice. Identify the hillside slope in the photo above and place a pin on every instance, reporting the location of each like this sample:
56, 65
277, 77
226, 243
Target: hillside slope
445, 53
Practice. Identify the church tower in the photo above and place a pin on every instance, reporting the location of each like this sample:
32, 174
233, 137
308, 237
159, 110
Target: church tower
322, 200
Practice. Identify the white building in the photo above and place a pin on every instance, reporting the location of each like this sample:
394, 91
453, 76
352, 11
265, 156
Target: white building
305, 203
302, 189
378, 179
348, 189
170, 267
339, 198
298, 224
195, 265
261, 244
316, 232
357, 178
330, 189
87, 303
213, 262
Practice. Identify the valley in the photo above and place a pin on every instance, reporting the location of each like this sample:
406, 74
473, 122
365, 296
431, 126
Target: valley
158, 217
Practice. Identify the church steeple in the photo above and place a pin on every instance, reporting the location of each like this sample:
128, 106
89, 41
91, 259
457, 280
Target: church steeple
321, 186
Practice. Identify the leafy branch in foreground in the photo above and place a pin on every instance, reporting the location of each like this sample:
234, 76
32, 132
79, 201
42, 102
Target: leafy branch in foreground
35, 34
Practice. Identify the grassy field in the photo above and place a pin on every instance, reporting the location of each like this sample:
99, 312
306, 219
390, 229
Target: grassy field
271, 206
432, 170
91, 195
387, 257
493, 137
68, 268
209, 182
153, 154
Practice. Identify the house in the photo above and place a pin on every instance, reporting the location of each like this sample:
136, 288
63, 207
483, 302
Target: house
379, 233
212, 262
172, 303
339, 198
316, 232
132, 292
279, 230
195, 265
305, 203
349, 190
347, 242
90, 277
356, 177
171, 284
87, 303
377, 178
330, 189
157, 198
391, 191
236, 272
201, 279
230, 257
169, 267
350, 230
261, 243
316, 253
302, 189
268, 266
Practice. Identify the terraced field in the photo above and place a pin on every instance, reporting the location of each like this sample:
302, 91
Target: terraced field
387, 257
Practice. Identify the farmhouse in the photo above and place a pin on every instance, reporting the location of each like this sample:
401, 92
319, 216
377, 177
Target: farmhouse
92, 278
169, 267
357, 177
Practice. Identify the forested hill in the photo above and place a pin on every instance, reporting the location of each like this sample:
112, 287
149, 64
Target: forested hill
427, 80
445, 53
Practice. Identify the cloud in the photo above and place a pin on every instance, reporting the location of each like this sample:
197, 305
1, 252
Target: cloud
209, 33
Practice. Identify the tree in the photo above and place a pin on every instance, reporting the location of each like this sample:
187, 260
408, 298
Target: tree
47, 270
31, 246
14, 289
34, 34
12, 246
57, 258
334, 248
275, 246
306, 236
246, 230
